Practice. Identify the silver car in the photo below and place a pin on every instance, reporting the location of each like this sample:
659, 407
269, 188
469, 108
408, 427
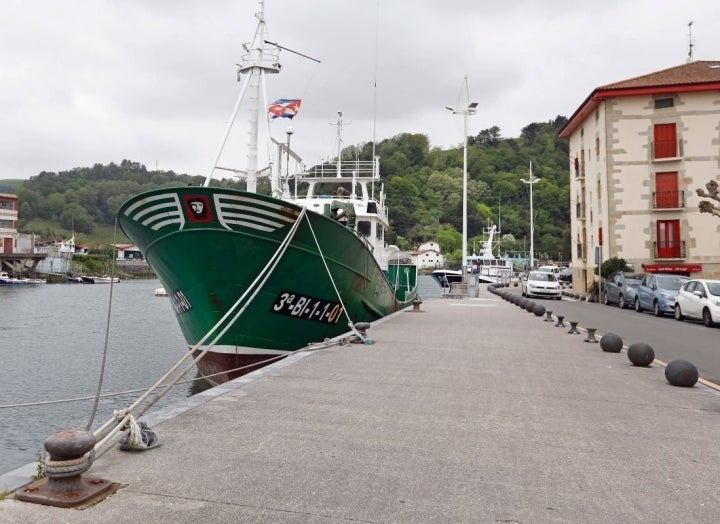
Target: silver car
621, 289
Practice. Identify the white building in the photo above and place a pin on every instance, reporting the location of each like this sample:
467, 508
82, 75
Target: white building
639, 150
428, 256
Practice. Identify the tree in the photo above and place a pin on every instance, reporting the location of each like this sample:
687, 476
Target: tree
712, 192
75, 217
611, 265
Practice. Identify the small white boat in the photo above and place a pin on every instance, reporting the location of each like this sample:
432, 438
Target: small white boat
160, 292
7, 280
99, 280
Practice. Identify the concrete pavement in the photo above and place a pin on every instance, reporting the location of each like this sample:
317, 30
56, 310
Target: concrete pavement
471, 410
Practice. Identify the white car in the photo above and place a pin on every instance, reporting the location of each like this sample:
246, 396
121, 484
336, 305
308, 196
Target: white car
541, 284
699, 299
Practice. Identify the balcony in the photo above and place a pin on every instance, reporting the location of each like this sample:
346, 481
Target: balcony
668, 200
669, 250
666, 150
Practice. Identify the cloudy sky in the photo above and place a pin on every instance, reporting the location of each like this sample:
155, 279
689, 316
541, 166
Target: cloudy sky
154, 81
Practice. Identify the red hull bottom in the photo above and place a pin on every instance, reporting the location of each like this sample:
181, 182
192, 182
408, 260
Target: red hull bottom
217, 368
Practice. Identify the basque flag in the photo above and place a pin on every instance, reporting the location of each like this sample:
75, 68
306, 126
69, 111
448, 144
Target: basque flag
285, 107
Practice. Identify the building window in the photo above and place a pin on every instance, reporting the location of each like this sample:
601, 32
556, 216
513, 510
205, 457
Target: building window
668, 239
665, 141
666, 190
597, 147
662, 103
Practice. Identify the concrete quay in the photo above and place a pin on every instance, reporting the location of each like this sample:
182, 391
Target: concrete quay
471, 410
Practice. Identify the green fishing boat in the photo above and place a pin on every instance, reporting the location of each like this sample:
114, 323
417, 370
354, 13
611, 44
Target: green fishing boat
253, 277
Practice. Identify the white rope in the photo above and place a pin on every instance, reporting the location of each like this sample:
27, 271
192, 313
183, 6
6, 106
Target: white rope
332, 281
106, 432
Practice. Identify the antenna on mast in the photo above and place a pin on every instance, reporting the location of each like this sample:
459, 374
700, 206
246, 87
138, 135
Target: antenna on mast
690, 43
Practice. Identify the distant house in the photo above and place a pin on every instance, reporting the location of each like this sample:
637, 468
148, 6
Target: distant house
9, 207
428, 256
128, 252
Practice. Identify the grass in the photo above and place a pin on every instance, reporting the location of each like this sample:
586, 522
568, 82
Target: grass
102, 233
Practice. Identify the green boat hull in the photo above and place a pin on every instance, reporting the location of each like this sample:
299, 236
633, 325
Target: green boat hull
289, 277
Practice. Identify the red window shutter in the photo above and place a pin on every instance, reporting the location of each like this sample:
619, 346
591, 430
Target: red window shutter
666, 190
665, 139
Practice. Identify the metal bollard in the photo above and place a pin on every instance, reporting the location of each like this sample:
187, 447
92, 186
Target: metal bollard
548, 316
591, 335
64, 487
416, 305
560, 322
573, 328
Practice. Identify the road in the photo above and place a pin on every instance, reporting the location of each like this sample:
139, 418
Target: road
670, 339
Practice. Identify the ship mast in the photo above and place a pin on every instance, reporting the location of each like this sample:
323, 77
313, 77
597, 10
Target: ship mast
259, 58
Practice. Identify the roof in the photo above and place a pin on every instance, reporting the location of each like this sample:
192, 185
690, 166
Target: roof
701, 75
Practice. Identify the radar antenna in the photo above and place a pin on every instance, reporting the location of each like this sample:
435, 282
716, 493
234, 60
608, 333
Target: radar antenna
690, 43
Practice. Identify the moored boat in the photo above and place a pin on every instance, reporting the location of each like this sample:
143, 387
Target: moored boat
7, 280
254, 277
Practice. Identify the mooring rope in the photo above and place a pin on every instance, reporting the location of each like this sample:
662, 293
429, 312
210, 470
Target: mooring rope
107, 432
351, 325
93, 412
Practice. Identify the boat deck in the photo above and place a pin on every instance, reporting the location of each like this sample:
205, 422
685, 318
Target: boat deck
470, 410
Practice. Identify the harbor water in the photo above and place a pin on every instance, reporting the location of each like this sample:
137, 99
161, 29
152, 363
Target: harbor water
52, 339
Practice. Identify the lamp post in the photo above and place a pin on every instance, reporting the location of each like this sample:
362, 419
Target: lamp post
531, 182
466, 112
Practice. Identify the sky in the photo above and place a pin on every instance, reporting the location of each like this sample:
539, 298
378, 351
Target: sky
155, 81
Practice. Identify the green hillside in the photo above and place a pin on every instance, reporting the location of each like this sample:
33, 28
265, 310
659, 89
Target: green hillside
423, 186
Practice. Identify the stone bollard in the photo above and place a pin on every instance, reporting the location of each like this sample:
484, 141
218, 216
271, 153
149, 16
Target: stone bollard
573, 328
591, 335
70, 456
641, 354
611, 343
548, 316
681, 373
538, 310
560, 322
416, 305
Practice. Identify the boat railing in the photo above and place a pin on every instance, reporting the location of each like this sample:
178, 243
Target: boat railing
365, 169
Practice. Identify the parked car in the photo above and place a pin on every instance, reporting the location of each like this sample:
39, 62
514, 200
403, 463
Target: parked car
549, 269
541, 284
699, 299
621, 288
565, 275
657, 292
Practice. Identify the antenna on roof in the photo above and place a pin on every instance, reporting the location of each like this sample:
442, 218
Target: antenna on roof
690, 42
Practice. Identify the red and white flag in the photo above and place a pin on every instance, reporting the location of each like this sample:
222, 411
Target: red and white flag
284, 107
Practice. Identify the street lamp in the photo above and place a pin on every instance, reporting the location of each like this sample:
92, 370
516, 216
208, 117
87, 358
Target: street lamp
465, 111
531, 182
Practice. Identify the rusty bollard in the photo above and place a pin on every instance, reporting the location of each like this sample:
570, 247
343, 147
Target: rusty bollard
70, 456
361, 328
416, 306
